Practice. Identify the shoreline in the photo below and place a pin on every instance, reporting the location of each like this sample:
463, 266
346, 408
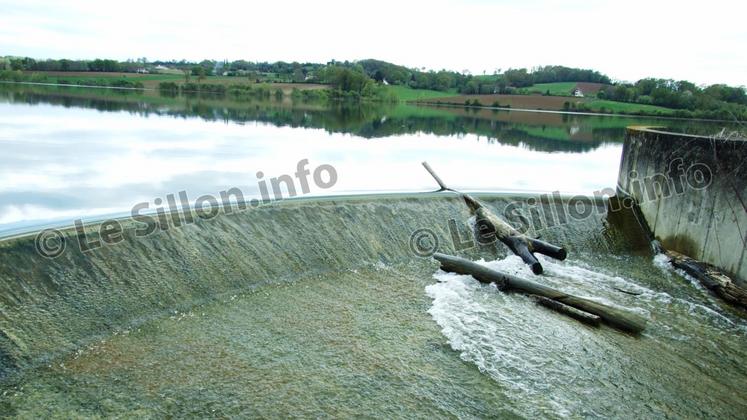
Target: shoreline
407, 102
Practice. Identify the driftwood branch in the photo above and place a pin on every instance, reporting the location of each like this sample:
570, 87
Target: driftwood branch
491, 227
617, 318
436, 177
710, 277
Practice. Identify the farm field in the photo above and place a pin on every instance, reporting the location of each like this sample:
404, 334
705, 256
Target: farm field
556, 89
406, 93
551, 103
600, 105
566, 88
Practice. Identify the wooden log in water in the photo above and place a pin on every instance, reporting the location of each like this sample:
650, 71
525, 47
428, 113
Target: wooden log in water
617, 318
570, 311
711, 277
491, 227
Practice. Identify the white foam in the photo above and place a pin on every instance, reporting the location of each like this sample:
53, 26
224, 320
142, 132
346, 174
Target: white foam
531, 350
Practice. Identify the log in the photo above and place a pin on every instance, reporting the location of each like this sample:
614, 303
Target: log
492, 227
614, 317
436, 177
711, 277
570, 311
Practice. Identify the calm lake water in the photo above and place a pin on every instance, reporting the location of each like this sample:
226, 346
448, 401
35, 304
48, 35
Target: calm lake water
75, 152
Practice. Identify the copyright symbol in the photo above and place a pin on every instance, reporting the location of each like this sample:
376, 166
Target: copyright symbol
424, 242
49, 243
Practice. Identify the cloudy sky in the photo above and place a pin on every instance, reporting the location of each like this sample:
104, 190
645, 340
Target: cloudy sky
700, 41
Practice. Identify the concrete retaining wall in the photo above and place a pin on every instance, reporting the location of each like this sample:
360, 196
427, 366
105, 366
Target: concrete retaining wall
692, 191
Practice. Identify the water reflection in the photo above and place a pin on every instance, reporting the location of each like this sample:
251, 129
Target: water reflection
71, 152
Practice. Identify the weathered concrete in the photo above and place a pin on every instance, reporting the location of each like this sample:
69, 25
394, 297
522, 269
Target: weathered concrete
692, 191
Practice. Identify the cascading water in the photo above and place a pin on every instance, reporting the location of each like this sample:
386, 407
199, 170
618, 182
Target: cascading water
322, 304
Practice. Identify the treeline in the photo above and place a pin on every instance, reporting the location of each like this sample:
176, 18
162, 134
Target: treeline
30, 64
714, 101
382, 71
673, 94
364, 79
550, 74
506, 82
352, 82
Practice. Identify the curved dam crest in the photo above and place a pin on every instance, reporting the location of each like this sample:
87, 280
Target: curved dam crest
323, 301
50, 305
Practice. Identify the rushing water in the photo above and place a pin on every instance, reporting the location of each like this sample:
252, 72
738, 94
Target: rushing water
318, 308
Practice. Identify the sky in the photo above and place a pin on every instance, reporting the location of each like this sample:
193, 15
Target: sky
703, 42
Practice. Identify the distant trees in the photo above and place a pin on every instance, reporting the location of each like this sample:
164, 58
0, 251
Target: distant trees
551, 74
205, 68
200, 72
415, 78
345, 79
518, 78
725, 93
279, 71
103, 65
715, 101
362, 79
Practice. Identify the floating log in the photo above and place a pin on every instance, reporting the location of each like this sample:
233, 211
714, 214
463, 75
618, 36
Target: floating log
491, 227
570, 311
617, 318
709, 276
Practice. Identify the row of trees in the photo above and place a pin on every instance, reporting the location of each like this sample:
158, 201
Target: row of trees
674, 94
416, 79
30, 64
360, 79
504, 82
551, 74
351, 81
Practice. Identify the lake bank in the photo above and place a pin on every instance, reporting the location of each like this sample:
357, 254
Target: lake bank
531, 100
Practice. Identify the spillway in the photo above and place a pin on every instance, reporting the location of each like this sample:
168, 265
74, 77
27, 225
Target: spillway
320, 306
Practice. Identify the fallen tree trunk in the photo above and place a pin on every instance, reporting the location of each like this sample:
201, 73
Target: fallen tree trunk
492, 227
617, 318
710, 277
570, 311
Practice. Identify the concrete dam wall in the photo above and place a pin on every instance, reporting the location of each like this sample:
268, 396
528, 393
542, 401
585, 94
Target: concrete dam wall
692, 192
49, 307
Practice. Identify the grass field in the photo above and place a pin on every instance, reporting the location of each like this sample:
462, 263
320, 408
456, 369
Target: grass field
599, 105
405, 93
552, 103
557, 89
565, 88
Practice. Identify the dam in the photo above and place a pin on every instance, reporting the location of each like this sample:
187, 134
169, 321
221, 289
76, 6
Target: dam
314, 297
692, 191
330, 305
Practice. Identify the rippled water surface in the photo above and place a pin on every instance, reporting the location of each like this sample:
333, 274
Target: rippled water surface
405, 341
